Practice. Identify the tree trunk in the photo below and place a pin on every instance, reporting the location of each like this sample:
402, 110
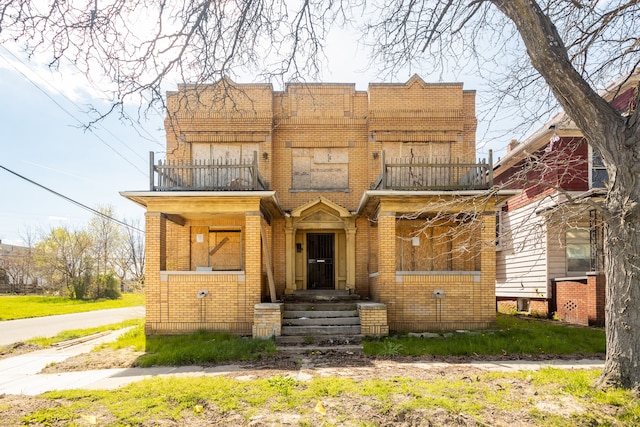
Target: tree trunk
618, 141
622, 261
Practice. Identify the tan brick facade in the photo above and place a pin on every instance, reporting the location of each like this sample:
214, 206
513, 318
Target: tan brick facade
319, 148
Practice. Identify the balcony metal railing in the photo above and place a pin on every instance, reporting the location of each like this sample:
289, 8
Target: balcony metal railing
206, 175
419, 174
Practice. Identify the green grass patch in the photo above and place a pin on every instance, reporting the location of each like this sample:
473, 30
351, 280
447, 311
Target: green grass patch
79, 333
134, 338
519, 397
513, 335
21, 307
202, 347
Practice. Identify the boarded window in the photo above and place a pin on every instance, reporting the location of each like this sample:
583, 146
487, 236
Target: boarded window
224, 156
423, 250
225, 249
320, 168
440, 246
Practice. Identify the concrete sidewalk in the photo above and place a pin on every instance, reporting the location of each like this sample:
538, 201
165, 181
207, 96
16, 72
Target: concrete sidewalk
19, 374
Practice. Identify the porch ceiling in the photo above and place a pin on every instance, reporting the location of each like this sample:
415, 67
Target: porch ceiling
373, 201
195, 205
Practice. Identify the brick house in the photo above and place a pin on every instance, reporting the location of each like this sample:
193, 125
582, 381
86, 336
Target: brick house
549, 245
266, 194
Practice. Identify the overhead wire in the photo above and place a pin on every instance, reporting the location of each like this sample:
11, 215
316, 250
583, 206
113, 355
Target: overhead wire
67, 111
133, 122
75, 202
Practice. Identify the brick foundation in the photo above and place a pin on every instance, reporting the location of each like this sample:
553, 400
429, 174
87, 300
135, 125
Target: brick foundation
581, 301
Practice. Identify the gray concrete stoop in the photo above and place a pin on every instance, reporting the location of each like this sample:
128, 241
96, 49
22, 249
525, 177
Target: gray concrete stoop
320, 320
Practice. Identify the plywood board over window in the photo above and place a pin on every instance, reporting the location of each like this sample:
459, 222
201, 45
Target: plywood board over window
424, 249
420, 154
320, 168
225, 249
221, 154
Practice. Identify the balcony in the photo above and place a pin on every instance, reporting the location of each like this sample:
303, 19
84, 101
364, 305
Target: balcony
201, 175
416, 174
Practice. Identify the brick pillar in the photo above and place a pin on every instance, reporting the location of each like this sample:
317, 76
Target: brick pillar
387, 261
155, 261
373, 319
267, 320
252, 261
597, 290
485, 291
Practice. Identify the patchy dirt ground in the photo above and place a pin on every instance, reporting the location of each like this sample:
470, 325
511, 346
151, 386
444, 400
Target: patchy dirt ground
17, 349
328, 364
106, 358
125, 358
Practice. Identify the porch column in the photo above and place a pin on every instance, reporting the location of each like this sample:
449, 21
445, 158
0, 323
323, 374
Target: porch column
485, 305
155, 261
350, 231
387, 261
387, 246
252, 261
290, 254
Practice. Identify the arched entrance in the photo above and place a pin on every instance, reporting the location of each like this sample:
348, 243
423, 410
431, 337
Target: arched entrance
320, 247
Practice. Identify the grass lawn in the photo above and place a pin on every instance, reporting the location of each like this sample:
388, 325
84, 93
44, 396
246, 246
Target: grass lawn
21, 307
513, 335
535, 398
79, 333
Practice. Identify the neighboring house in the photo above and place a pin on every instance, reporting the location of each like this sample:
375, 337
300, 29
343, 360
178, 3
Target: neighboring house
17, 273
549, 237
266, 194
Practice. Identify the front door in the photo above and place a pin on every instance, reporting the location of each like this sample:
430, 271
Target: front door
320, 261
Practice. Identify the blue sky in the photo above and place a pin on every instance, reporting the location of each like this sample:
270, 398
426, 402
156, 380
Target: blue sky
42, 140
44, 143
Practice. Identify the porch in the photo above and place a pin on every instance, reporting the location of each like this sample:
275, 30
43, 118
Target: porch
419, 173
435, 263
243, 174
203, 175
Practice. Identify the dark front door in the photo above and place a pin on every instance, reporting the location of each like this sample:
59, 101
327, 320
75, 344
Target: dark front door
320, 261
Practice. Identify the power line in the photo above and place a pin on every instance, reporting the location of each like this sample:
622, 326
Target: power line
68, 112
83, 206
133, 122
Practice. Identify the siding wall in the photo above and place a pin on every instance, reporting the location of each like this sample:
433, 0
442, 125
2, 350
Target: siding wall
521, 262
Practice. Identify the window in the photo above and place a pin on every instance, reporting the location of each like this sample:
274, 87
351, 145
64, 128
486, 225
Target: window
320, 168
578, 250
524, 305
599, 173
499, 230
225, 249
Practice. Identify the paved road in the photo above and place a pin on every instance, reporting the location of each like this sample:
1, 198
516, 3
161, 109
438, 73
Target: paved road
19, 330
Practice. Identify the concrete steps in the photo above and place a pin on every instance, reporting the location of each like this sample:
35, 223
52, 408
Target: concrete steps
320, 320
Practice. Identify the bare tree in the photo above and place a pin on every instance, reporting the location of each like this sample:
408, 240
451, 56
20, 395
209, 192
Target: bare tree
107, 238
560, 47
130, 254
